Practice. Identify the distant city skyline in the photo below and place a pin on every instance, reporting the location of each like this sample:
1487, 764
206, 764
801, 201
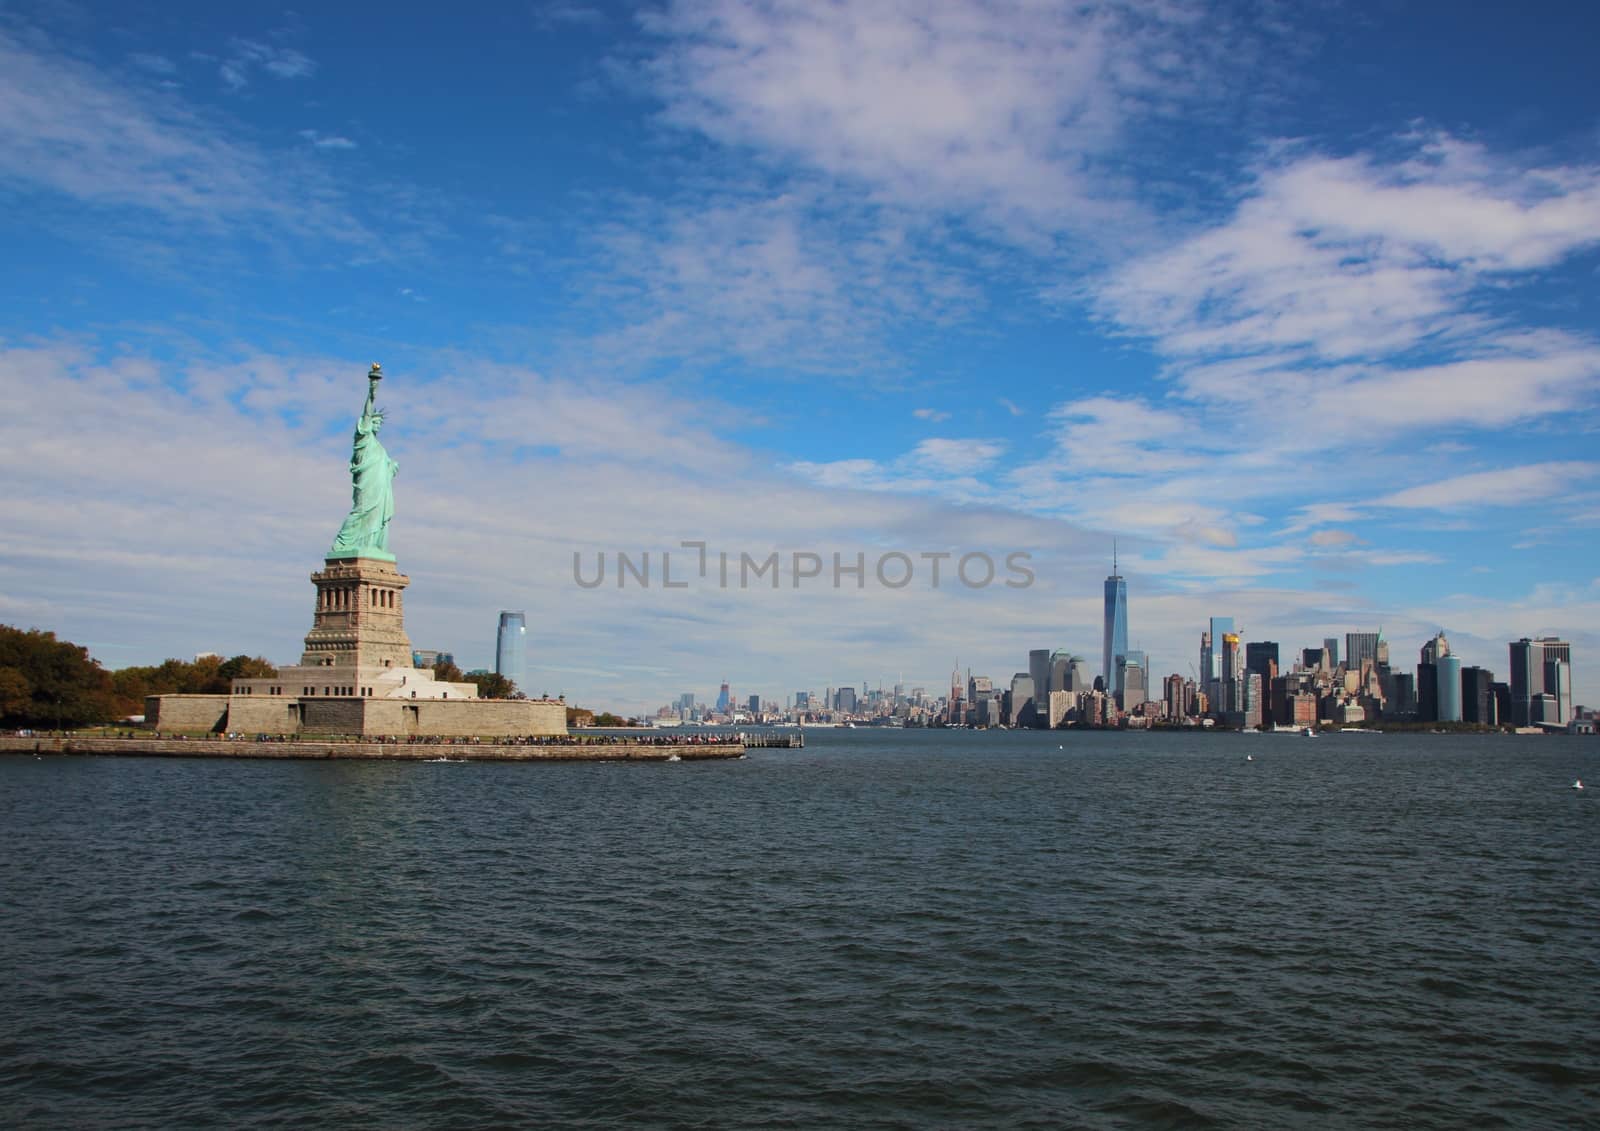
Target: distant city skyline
1252, 686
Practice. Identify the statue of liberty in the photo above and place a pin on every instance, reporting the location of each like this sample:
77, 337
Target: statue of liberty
365, 533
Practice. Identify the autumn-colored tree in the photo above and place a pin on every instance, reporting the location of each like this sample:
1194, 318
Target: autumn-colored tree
208, 675
446, 672
493, 685
45, 681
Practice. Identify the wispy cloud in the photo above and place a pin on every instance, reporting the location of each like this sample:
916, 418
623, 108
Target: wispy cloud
1362, 291
957, 457
1510, 486
155, 64
995, 109
931, 415
246, 56
66, 127
947, 468
561, 14
790, 283
327, 141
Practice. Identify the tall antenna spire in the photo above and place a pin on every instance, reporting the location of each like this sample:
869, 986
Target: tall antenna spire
1113, 557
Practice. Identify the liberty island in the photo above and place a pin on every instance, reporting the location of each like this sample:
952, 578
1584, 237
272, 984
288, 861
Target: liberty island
355, 692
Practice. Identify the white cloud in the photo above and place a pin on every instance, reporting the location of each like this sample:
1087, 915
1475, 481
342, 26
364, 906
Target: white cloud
558, 15
995, 108
943, 468
1528, 485
1320, 514
957, 457
1330, 259
155, 64
931, 415
1333, 538
246, 55
786, 283
327, 141
1125, 436
65, 127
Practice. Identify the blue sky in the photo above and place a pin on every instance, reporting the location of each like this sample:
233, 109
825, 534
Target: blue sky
1299, 303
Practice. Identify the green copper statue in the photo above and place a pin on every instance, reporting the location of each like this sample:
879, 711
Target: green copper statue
365, 533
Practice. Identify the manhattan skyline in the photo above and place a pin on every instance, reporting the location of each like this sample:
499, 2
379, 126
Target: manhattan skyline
1301, 312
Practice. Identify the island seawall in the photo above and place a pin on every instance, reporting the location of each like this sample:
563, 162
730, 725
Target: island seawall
369, 750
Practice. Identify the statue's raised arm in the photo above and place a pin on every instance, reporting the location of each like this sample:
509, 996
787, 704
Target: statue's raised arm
365, 533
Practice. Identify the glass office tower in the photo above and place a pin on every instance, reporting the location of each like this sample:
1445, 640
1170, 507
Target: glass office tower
1116, 629
510, 656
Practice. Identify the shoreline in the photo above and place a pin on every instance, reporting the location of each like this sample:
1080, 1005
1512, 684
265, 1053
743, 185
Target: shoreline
370, 751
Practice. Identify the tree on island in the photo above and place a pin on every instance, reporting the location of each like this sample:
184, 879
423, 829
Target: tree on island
490, 685
446, 672
579, 717
493, 685
48, 682
208, 675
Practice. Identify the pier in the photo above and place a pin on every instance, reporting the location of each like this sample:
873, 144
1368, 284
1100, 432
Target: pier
773, 741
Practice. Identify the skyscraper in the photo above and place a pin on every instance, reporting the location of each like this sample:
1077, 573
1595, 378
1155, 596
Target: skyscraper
1429, 681
1540, 667
1360, 648
1477, 697
1220, 627
1134, 678
1039, 673
1261, 657
1061, 671
1116, 624
723, 699
510, 648
1232, 667
1022, 710
1449, 693
1331, 643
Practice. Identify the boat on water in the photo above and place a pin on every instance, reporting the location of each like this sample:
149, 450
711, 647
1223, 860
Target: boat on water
1309, 732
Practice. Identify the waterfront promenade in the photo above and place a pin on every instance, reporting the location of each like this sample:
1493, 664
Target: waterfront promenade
573, 748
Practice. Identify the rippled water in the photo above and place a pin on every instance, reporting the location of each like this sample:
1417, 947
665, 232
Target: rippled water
920, 929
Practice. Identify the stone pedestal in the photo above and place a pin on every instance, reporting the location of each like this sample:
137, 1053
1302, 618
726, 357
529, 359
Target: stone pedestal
355, 676
360, 617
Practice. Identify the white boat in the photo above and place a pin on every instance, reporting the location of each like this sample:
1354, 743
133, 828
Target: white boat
1309, 732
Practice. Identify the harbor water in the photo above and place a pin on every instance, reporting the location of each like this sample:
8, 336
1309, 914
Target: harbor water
883, 929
